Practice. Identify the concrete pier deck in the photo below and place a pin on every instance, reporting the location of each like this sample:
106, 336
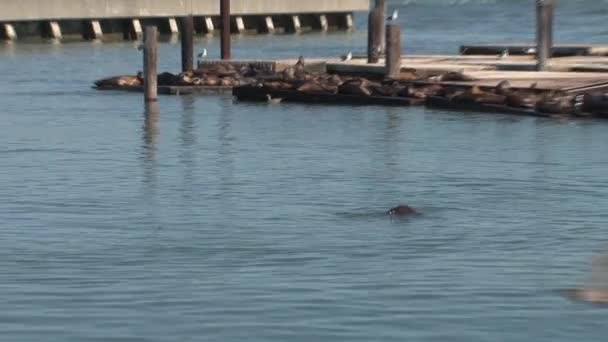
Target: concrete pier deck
93, 18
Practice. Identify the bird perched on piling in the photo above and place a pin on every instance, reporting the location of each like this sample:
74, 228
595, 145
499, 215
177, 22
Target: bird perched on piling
393, 16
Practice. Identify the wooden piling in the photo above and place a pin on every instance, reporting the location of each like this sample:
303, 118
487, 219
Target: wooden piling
150, 61
544, 34
375, 32
393, 50
225, 22
187, 43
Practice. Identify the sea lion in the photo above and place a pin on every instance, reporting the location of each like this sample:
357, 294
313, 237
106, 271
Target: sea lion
402, 210
299, 70
166, 79
185, 78
289, 74
211, 80
595, 289
120, 81
452, 76
521, 100
503, 88
476, 95
355, 87
555, 102
314, 87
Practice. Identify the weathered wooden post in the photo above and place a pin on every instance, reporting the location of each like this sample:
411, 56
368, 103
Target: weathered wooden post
150, 60
393, 50
187, 43
544, 32
225, 18
375, 32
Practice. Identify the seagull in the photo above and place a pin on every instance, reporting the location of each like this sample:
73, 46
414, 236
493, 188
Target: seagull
393, 17
348, 57
200, 56
505, 53
531, 50
270, 100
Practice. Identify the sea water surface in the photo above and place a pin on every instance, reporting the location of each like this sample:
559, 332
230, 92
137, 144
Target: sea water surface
206, 219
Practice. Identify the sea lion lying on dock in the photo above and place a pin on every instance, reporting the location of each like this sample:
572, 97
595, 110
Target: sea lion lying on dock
555, 102
476, 95
452, 76
121, 81
357, 86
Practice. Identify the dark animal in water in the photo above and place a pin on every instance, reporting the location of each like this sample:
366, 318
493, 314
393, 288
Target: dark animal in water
402, 210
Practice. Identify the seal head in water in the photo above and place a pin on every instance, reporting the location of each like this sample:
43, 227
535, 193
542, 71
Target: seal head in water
402, 210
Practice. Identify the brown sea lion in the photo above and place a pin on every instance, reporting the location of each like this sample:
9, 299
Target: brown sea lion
402, 210
475, 94
594, 291
452, 76
211, 80
355, 87
503, 88
278, 85
314, 87
521, 100
185, 78
555, 102
166, 79
120, 81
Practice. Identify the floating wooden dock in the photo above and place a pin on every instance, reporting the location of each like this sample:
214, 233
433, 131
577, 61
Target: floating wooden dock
259, 94
484, 73
559, 50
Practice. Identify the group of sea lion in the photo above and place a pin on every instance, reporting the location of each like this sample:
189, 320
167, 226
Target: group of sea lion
552, 102
220, 74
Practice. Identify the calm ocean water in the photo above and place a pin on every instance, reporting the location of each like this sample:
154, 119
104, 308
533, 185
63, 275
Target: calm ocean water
214, 220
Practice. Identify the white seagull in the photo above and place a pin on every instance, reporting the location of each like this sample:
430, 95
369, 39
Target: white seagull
348, 57
394, 16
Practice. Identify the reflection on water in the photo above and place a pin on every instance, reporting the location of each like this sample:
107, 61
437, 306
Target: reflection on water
149, 148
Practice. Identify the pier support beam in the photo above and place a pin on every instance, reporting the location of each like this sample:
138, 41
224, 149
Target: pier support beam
297, 25
8, 31
53, 30
240, 24
225, 19
150, 62
323, 24
393, 51
173, 28
208, 25
348, 21
269, 24
544, 32
93, 30
187, 43
133, 31
375, 32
